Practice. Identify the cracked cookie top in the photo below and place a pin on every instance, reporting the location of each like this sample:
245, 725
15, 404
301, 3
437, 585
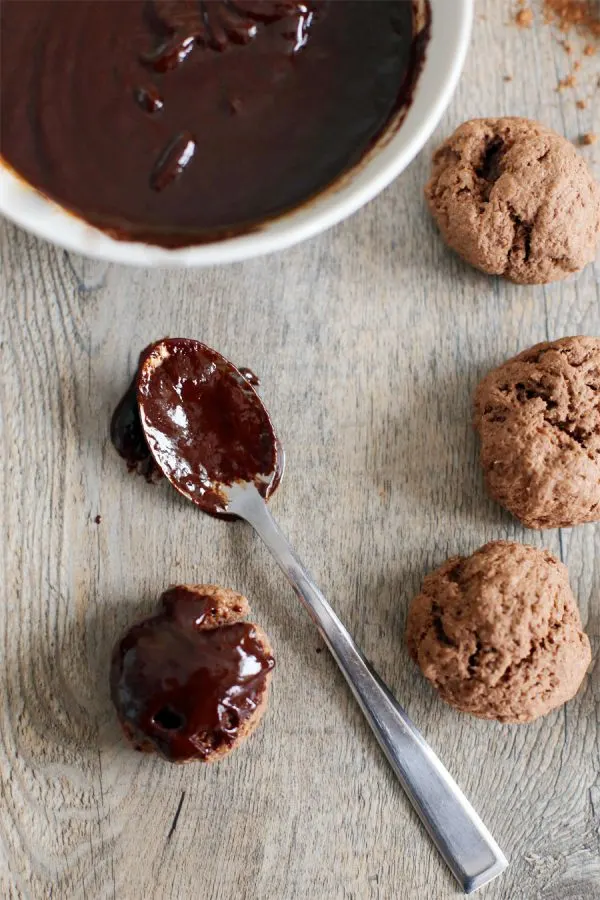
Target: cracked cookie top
538, 417
514, 198
498, 633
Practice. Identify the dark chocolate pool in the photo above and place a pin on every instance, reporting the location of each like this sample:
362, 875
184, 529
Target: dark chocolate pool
180, 121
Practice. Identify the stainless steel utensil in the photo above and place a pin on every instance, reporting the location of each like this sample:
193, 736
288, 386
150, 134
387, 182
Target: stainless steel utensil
459, 834
466, 845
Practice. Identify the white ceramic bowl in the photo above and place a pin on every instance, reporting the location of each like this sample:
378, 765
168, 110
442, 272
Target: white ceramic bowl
451, 30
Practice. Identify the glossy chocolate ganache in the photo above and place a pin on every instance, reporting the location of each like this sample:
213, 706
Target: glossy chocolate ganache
191, 415
180, 121
186, 685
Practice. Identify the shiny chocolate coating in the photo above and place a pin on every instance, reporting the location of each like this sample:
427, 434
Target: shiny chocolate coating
127, 436
183, 691
129, 440
205, 424
176, 122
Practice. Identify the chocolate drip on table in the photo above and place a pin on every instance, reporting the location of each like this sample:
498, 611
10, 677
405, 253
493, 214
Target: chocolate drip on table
127, 434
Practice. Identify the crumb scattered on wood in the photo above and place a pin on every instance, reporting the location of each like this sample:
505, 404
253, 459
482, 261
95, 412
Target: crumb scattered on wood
524, 17
569, 81
583, 15
588, 138
581, 104
98, 519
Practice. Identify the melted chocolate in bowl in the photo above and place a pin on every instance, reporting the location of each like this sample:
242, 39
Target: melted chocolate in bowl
184, 692
204, 423
181, 121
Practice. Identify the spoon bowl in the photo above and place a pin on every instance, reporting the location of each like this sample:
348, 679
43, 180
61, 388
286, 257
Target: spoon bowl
205, 424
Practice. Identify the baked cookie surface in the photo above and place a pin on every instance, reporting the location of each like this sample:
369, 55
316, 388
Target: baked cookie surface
514, 198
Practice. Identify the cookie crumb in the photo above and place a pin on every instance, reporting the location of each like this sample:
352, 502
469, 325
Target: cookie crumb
588, 138
569, 81
583, 15
97, 519
524, 17
575, 25
508, 78
581, 104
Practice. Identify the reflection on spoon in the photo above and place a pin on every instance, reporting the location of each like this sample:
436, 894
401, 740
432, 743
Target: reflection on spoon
212, 437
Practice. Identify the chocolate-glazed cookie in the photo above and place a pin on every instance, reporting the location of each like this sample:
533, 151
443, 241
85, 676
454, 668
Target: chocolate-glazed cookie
191, 681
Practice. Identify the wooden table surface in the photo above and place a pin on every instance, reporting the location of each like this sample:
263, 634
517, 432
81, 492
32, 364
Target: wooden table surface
369, 341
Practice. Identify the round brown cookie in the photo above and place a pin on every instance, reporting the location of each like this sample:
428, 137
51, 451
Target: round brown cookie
538, 417
498, 633
514, 198
191, 681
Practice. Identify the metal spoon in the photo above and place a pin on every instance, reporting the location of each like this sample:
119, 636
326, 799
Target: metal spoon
182, 396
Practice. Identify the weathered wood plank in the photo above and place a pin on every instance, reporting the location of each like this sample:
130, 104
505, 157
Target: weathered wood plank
369, 341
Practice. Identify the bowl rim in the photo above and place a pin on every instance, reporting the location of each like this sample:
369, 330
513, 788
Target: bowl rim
446, 53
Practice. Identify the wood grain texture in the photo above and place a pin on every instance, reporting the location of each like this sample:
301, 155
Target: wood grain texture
369, 341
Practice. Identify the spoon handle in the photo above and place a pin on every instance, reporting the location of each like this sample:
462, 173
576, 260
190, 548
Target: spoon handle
468, 848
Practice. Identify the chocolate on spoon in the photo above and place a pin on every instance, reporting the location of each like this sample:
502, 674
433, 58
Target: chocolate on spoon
204, 423
131, 440
212, 437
